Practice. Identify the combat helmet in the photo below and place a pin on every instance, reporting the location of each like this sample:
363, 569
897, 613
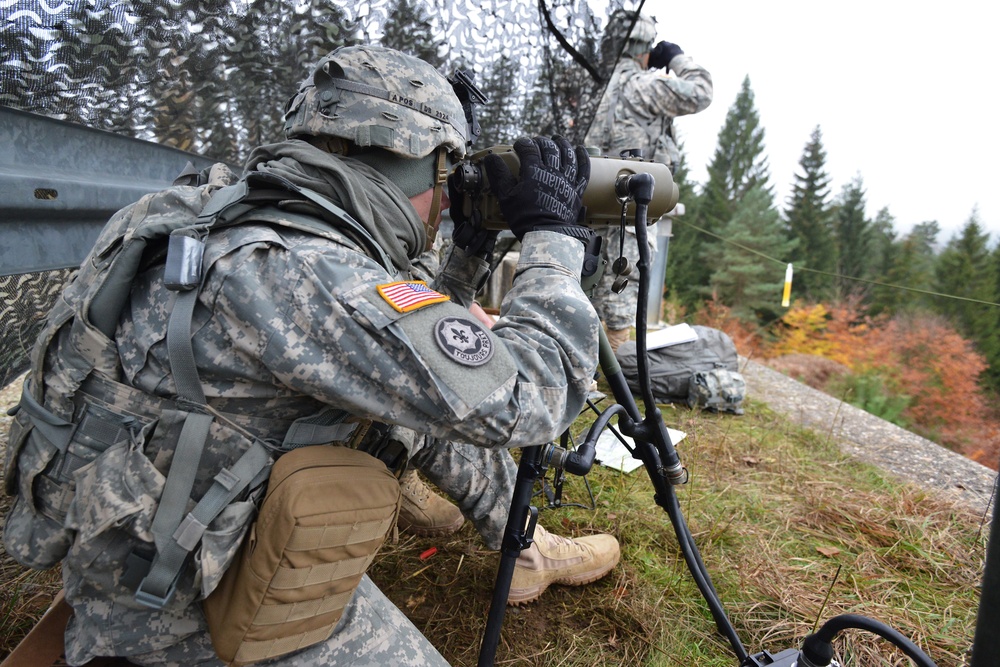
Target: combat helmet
394, 112
629, 39
378, 97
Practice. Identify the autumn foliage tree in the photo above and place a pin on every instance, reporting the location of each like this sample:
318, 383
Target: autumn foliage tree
828, 331
918, 362
924, 358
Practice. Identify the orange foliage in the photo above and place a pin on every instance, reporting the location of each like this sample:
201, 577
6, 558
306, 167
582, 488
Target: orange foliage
831, 332
921, 357
717, 315
986, 449
927, 360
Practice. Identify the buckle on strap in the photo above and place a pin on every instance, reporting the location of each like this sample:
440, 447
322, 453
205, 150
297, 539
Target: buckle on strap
152, 600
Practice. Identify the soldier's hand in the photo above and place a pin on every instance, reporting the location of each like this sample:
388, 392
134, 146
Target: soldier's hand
548, 193
662, 54
469, 235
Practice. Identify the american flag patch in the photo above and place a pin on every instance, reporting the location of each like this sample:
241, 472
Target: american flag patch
409, 295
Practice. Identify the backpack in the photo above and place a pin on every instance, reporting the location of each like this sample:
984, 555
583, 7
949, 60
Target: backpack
80, 429
702, 372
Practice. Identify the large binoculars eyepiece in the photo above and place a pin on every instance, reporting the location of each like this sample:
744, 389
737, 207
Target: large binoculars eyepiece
606, 191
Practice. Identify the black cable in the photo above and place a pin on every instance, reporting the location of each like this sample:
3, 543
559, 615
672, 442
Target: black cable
817, 649
667, 496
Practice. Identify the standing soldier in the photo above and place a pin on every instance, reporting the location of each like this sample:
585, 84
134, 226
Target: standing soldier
637, 112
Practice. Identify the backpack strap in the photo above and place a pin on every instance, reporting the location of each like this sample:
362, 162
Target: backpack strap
182, 364
158, 587
175, 535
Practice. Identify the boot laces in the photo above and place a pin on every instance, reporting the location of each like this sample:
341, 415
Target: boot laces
415, 488
557, 542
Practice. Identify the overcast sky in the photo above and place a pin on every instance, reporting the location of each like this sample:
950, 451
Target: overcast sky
905, 94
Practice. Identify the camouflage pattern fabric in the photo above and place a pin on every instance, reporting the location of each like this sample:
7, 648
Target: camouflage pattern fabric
645, 103
379, 97
637, 111
287, 323
371, 633
479, 480
717, 390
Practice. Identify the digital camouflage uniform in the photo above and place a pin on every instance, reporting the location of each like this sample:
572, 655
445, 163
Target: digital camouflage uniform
288, 322
291, 318
480, 480
637, 111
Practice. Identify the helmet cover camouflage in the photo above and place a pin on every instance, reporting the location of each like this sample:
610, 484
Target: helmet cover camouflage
376, 96
637, 41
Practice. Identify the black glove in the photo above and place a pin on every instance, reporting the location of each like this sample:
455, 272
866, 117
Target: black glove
469, 235
662, 54
548, 195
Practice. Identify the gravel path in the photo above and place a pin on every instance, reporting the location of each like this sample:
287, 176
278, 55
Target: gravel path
871, 439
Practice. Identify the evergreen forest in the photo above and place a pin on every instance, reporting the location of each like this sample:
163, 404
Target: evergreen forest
902, 325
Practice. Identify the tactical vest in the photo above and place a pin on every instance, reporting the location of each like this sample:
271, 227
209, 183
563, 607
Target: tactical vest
79, 429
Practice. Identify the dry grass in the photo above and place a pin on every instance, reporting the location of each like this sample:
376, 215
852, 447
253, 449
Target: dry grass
775, 512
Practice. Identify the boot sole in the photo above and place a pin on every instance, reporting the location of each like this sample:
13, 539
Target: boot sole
520, 596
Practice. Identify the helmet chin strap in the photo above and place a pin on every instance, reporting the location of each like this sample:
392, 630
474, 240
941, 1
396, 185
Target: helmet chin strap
441, 177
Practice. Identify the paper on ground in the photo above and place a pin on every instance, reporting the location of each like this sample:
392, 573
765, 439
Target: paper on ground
613, 454
679, 333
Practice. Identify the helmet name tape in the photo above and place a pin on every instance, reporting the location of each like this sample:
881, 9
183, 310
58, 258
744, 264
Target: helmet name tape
396, 98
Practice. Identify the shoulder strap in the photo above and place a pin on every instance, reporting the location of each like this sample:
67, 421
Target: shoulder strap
175, 537
244, 201
157, 588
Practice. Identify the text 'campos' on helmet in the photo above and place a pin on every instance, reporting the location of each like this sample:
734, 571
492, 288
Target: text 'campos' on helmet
376, 96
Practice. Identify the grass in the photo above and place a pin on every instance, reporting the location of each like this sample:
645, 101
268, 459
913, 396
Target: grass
791, 530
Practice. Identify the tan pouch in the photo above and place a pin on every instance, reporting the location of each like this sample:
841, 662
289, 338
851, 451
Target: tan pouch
326, 513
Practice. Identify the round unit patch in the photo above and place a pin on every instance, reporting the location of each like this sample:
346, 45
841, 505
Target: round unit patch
464, 341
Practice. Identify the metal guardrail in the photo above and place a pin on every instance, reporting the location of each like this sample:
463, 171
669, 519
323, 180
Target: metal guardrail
60, 182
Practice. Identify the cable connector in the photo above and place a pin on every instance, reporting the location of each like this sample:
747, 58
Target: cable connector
786, 658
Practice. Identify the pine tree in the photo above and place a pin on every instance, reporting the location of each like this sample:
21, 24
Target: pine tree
853, 235
679, 245
810, 222
913, 267
738, 164
743, 280
966, 269
885, 249
410, 29
737, 167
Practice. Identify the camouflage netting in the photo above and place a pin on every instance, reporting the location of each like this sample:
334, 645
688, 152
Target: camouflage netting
212, 77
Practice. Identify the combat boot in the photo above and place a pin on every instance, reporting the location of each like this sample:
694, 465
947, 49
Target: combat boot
423, 512
552, 559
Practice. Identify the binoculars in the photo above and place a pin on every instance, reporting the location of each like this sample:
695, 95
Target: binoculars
602, 197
